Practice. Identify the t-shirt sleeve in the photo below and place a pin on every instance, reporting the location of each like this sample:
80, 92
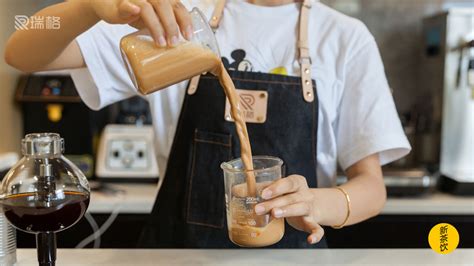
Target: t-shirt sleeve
368, 120
105, 80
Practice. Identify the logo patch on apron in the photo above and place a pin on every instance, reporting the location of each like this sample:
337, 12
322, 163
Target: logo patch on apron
253, 105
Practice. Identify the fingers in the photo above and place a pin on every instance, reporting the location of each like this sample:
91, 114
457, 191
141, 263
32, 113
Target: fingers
152, 22
316, 235
184, 19
292, 205
165, 11
284, 186
293, 210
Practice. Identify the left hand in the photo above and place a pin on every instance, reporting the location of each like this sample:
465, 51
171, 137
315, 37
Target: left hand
291, 198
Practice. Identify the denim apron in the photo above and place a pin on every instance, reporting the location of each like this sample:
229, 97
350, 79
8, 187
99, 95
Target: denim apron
189, 211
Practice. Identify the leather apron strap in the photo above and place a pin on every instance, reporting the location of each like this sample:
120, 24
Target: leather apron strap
303, 49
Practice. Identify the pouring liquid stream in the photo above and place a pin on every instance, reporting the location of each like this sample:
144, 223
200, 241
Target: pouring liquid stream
179, 63
240, 126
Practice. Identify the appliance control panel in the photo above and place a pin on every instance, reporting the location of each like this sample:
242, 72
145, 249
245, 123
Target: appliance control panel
126, 151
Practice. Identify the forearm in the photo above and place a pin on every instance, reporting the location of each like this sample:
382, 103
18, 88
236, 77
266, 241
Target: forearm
367, 200
32, 49
366, 191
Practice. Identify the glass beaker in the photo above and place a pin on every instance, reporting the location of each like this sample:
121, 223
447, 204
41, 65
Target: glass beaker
246, 228
152, 68
44, 193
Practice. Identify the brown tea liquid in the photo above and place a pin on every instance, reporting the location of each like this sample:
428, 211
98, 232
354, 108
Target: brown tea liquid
240, 127
27, 214
155, 68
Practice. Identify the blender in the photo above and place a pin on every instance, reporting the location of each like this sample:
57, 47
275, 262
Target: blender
44, 193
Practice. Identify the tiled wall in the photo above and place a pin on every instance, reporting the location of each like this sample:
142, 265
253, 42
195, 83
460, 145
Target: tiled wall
396, 25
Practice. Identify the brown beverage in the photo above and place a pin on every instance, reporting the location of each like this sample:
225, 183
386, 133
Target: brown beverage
252, 236
244, 229
25, 213
154, 68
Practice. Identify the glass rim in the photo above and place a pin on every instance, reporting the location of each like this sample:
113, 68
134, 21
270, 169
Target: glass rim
227, 166
208, 28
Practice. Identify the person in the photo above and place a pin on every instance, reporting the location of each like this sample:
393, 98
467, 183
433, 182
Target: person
345, 116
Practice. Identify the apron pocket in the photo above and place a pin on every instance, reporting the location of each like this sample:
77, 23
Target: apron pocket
206, 203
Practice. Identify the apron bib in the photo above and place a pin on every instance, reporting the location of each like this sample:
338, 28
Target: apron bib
190, 208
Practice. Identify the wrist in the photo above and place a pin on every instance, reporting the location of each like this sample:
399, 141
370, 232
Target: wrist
329, 206
318, 208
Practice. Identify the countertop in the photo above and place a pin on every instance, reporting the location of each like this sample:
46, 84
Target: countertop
136, 257
139, 199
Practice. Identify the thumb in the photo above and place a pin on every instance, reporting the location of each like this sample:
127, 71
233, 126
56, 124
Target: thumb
316, 235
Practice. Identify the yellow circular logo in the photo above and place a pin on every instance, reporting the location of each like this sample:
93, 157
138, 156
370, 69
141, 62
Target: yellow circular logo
443, 238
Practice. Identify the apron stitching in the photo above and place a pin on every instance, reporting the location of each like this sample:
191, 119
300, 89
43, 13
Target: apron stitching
191, 180
212, 142
191, 187
205, 224
315, 133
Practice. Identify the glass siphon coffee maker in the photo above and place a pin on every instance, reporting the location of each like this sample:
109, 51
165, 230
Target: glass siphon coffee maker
44, 193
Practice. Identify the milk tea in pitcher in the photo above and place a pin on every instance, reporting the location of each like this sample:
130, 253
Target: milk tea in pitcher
152, 68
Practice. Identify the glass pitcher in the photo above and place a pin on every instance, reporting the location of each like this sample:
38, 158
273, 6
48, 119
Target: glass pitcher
152, 68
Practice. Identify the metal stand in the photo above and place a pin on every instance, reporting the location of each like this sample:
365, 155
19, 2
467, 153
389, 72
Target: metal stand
46, 247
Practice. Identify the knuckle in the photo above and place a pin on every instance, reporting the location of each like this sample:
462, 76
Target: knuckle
169, 25
276, 186
159, 31
306, 208
145, 4
294, 198
295, 182
139, 2
177, 5
306, 195
301, 179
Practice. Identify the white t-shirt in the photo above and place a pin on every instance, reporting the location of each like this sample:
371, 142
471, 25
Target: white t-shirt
357, 115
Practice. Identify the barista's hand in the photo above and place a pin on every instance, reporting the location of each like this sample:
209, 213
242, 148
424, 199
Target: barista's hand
163, 18
292, 198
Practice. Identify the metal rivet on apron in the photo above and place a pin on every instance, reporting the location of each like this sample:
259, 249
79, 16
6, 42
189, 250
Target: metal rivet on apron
306, 70
259, 119
228, 118
214, 18
306, 82
262, 95
309, 94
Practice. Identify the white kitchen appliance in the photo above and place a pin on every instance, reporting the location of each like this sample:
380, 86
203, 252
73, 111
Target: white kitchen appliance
126, 153
449, 68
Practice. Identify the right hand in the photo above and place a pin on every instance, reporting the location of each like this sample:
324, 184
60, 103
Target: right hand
163, 18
